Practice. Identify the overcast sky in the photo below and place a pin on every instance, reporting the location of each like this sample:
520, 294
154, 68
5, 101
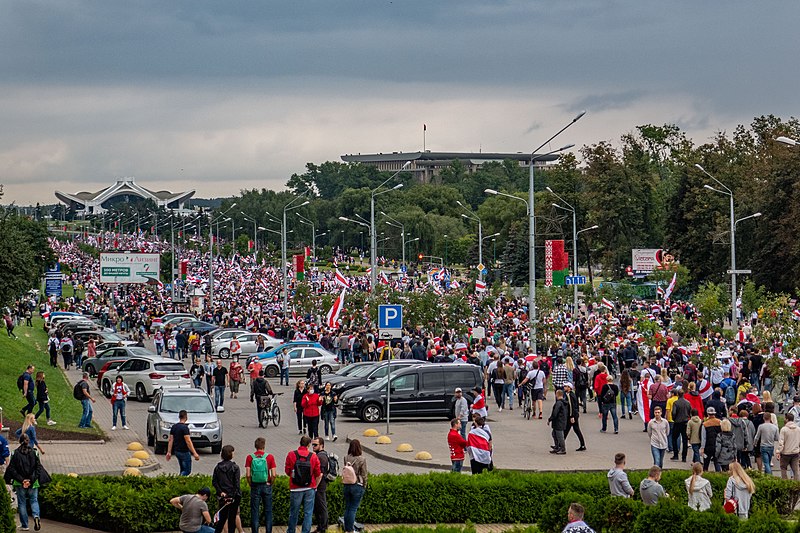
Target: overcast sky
224, 95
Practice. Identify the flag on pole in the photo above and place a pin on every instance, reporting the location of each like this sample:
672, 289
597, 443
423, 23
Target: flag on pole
384, 278
341, 279
480, 285
608, 304
671, 286
336, 308
595, 331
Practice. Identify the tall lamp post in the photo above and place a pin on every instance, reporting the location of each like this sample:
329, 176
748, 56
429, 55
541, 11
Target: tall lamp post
570, 208
473, 216
211, 255
445, 249
373, 245
397, 224
291, 206
729, 193
532, 229
345, 219
255, 231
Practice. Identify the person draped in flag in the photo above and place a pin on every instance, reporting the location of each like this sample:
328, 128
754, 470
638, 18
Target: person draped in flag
479, 403
479, 441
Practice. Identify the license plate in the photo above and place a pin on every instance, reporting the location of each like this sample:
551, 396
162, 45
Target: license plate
173, 378
195, 434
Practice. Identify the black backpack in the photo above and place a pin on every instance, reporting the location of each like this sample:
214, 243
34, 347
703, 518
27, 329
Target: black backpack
609, 396
21, 381
77, 391
301, 473
583, 379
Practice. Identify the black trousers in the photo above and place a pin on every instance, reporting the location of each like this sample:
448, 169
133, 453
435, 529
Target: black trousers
321, 506
228, 514
575, 426
679, 430
312, 423
498, 393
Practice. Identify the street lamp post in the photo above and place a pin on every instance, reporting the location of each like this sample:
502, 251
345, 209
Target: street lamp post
445, 249
568, 207
373, 245
532, 230
255, 231
397, 224
284, 270
211, 254
473, 216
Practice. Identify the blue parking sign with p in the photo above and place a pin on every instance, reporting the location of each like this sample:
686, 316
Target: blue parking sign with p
390, 317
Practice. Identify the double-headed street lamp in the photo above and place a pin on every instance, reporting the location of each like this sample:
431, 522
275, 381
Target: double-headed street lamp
728, 192
291, 206
473, 216
568, 207
397, 224
532, 228
255, 231
373, 245
314, 235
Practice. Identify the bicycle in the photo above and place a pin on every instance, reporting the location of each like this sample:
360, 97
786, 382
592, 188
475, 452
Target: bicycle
270, 411
528, 410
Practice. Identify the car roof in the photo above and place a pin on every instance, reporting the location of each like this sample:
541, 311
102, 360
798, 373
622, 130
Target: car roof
183, 392
156, 358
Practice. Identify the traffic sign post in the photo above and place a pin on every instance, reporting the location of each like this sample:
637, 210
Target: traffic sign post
575, 280
740, 271
390, 321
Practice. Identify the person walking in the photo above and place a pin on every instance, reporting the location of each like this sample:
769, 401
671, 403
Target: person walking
681, 413
29, 428
479, 442
457, 444
558, 423
708, 439
27, 387
740, 488
657, 429
311, 403
261, 470
321, 496
226, 481
23, 473
699, 489
302, 467
618, 483
297, 405
573, 413
726, 445
330, 401
180, 444
766, 437
82, 393
208, 368
461, 410
194, 511
788, 450
694, 429
219, 377
235, 375
354, 481
608, 403
43, 398
119, 399
197, 372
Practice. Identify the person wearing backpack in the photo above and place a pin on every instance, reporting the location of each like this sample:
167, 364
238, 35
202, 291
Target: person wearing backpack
321, 497
354, 479
261, 471
27, 387
303, 468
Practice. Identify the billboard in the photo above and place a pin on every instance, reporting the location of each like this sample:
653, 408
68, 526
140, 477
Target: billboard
129, 267
646, 260
53, 280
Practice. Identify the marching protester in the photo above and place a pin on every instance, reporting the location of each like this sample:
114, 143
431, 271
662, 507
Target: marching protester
261, 470
354, 479
23, 472
303, 468
225, 480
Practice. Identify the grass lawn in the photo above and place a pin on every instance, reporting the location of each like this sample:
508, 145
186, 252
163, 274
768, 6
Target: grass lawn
15, 355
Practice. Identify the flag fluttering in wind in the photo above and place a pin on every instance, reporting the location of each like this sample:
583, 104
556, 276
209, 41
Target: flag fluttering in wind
480, 285
608, 304
336, 308
671, 286
341, 279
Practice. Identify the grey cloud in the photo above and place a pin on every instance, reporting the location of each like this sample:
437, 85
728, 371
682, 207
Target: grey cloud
604, 102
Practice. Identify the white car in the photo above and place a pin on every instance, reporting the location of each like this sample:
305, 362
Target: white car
146, 374
221, 346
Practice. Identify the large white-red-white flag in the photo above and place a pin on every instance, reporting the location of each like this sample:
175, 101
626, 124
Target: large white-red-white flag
336, 308
341, 279
671, 286
608, 304
480, 285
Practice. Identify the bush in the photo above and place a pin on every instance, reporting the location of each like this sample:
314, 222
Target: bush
614, 514
714, 519
767, 521
133, 505
667, 515
553, 517
7, 523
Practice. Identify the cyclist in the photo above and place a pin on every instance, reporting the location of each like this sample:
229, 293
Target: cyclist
262, 394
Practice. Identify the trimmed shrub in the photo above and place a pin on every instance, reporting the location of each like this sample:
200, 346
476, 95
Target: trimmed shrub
7, 523
614, 514
667, 515
767, 521
553, 517
714, 519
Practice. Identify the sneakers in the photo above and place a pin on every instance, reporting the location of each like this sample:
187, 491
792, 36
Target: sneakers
113, 428
581, 449
36, 524
334, 438
499, 409
51, 422
125, 427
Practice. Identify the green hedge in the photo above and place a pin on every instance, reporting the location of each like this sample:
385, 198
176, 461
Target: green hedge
142, 504
7, 523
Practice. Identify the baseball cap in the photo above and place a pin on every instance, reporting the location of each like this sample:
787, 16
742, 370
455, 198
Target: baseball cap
458, 389
711, 411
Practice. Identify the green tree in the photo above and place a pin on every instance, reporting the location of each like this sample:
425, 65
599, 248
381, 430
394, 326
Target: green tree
711, 303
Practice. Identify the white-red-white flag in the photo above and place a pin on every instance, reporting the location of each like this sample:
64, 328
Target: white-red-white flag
336, 308
480, 285
671, 286
608, 304
341, 279
384, 278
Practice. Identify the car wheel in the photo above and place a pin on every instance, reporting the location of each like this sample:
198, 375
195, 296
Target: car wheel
271, 371
325, 369
151, 440
160, 448
225, 353
141, 393
106, 388
370, 413
216, 449
91, 371
276, 415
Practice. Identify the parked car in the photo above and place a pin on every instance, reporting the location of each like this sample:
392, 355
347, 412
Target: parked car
205, 427
105, 386
102, 337
301, 354
417, 390
366, 374
93, 364
57, 316
147, 374
176, 321
248, 342
196, 325
169, 317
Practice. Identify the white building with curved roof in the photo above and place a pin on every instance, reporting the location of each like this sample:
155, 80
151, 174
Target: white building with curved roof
124, 190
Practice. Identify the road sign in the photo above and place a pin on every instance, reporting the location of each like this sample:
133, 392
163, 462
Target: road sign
481, 267
740, 271
484, 272
403, 269
53, 281
575, 280
390, 317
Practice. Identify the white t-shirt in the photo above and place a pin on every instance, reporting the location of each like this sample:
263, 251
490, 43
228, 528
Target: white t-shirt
536, 377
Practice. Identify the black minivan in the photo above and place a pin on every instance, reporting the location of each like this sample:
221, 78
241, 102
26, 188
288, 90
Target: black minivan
418, 390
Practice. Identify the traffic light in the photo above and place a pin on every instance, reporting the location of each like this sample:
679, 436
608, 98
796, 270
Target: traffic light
419, 257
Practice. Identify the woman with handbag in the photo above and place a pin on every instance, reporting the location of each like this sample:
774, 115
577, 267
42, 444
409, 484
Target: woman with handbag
23, 474
738, 491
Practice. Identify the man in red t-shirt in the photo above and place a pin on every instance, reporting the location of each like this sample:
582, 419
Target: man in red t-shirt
260, 477
302, 493
254, 368
457, 445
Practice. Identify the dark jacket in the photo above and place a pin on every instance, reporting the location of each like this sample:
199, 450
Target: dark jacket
725, 448
572, 405
24, 465
681, 410
605, 389
558, 416
226, 479
261, 387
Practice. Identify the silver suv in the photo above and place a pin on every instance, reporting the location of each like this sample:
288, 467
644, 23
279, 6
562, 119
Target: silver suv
205, 427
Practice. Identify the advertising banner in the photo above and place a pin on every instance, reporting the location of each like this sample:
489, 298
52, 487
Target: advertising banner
646, 260
129, 267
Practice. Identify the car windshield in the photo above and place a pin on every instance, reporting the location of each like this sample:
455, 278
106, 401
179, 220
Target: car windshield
192, 404
349, 369
140, 351
378, 384
362, 371
112, 337
169, 367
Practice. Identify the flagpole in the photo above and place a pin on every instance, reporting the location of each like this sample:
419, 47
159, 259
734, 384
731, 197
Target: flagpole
424, 134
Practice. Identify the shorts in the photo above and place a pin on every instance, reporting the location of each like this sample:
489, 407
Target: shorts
537, 394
